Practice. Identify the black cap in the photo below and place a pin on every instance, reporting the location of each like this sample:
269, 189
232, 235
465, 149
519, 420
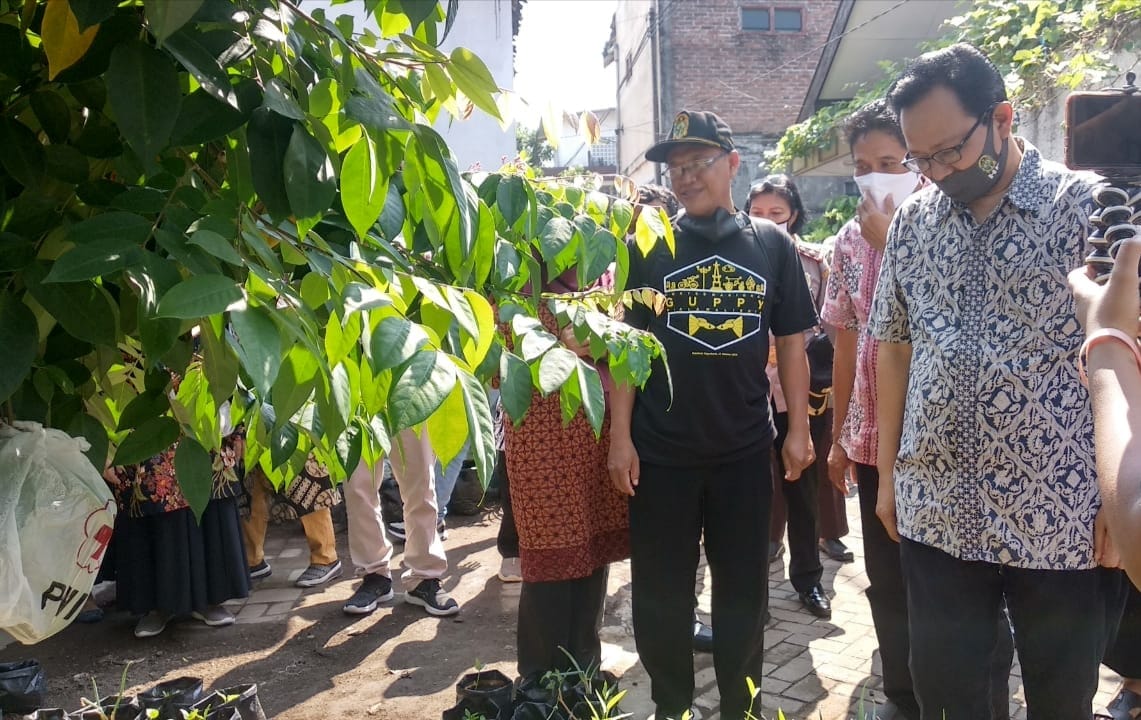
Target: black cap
693, 128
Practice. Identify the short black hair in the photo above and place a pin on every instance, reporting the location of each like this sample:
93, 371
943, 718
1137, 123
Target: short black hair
961, 68
876, 115
782, 185
659, 194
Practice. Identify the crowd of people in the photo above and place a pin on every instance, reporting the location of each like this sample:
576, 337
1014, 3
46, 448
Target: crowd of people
929, 357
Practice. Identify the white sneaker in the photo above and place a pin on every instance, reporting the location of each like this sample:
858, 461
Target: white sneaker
509, 571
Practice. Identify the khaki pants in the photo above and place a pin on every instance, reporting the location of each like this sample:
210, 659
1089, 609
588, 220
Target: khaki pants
318, 526
413, 466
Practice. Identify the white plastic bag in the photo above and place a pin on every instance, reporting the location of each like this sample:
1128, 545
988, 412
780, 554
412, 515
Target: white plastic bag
56, 519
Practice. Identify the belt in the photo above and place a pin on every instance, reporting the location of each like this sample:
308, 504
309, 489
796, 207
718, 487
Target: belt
818, 402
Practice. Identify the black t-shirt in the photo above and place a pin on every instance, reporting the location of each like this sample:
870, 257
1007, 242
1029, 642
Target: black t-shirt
723, 297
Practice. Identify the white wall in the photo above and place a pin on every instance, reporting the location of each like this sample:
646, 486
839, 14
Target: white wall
572, 149
484, 27
635, 89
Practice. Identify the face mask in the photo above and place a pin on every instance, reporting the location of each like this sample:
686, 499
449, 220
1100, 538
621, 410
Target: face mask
878, 186
966, 186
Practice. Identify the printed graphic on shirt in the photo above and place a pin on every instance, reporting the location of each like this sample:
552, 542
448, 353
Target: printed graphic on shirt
714, 303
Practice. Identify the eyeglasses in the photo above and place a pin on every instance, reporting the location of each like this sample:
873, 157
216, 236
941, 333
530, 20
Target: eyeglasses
695, 167
946, 156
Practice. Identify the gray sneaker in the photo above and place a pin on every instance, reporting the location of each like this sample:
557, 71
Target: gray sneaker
151, 624
315, 575
374, 589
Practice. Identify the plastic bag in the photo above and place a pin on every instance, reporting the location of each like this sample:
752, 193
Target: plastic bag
56, 519
22, 686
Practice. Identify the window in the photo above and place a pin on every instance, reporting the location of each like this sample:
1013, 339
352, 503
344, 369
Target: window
755, 19
767, 19
787, 20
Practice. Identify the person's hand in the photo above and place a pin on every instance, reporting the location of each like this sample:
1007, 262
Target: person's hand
874, 220
623, 465
1115, 304
1104, 551
885, 505
797, 452
838, 464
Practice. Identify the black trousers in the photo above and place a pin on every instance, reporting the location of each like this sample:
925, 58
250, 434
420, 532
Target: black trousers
507, 541
559, 623
802, 502
670, 509
1062, 621
1124, 653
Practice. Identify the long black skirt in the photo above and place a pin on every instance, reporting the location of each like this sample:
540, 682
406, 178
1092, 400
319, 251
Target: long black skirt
171, 563
1124, 654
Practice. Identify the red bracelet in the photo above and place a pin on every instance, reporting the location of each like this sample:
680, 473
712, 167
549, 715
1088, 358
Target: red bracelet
1098, 336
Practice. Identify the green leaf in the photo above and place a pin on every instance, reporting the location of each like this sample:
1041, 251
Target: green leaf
447, 427
92, 12
475, 80
189, 49
375, 110
219, 363
295, 383
200, 296
314, 290
85, 310
555, 368
310, 184
146, 441
203, 117
269, 136
217, 246
93, 260
111, 226
481, 424
511, 199
53, 113
146, 406
536, 342
340, 340
595, 253
422, 386
593, 395
279, 99
514, 385
282, 444
145, 201
364, 187
195, 472
165, 17
23, 155
555, 237
142, 86
621, 213
20, 338
394, 342
259, 346
90, 429
16, 253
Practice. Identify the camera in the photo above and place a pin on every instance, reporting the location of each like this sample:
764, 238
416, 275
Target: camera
1103, 135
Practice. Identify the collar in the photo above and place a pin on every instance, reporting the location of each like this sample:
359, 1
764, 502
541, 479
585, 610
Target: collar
1028, 190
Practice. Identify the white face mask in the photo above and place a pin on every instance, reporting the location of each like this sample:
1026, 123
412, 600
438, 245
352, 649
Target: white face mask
783, 225
878, 186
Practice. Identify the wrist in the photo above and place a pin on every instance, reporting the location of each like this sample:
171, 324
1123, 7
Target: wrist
1106, 337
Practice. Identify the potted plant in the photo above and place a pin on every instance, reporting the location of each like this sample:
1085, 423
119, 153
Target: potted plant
486, 691
170, 697
243, 698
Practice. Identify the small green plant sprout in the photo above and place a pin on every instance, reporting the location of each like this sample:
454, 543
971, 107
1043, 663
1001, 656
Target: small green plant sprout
469, 715
195, 714
94, 704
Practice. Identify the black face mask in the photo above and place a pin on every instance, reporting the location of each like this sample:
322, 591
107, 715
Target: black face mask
720, 224
968, 185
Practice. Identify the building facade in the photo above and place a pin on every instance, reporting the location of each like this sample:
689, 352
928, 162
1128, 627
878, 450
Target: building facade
750, 61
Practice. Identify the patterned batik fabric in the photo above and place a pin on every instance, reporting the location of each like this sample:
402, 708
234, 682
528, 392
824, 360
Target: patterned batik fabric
847, 306
151, 487
996, 455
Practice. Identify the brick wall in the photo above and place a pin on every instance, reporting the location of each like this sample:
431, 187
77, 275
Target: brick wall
755, 80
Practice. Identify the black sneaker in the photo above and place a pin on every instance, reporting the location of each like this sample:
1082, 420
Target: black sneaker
375, 588
430, 596
261, 570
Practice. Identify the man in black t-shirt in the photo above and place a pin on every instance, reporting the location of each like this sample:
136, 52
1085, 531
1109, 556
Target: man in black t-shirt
694, 458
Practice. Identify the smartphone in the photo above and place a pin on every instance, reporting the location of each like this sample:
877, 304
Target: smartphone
1103, 133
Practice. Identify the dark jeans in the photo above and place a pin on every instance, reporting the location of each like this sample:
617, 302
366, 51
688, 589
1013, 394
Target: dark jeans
507, 541
670, 509
802, 503
557, 618
1124, 653
886, 595
1062, 621
888, 600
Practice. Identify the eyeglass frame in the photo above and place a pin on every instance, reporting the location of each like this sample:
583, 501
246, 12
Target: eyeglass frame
694, 167
922, 163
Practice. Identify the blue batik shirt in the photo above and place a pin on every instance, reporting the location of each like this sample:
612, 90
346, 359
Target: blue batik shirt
996, 456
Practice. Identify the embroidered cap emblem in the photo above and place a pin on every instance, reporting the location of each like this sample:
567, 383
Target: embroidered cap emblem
988, 165
681, 126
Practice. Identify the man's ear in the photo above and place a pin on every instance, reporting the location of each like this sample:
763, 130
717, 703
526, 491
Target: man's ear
1004, 119
734, 162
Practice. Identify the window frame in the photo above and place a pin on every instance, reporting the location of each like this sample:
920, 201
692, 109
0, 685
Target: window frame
767, 10
771, 12
773, 19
